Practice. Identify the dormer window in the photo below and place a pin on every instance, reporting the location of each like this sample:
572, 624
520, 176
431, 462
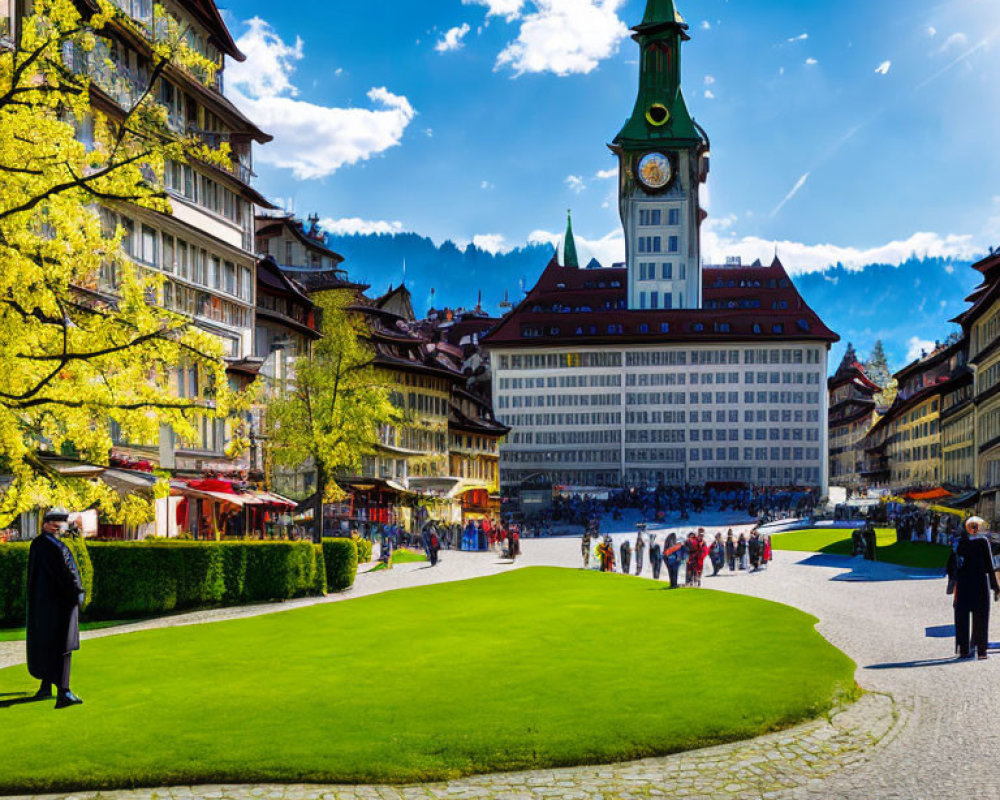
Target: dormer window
778, 328
698, 327
643, 328
803, 325
756, 327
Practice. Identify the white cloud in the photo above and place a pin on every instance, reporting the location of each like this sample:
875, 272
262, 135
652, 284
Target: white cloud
269, 63
606, 174
794, 191
800, 258
957, 41
811, 62
491, 243
607, 250
486, 186
800, 38
576, 183
311, 140
709, 94
510, 9
565, 37
453, 39
348, 226
709, 80
706, 25
918, 348
883, 68
931, 31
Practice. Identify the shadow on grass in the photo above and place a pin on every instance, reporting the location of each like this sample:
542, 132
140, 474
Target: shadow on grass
19, 699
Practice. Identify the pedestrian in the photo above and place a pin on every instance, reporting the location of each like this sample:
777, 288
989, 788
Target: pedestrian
585, 544
717, 554
655, 560
55, 597
754, 551
434, 546
640, 545
626, 554
731, 551
970, 578
671, 555
741, 551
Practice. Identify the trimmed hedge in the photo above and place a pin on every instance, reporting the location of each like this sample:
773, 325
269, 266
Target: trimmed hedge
341, 557
134, 579
13, 583
364, 550
14, 579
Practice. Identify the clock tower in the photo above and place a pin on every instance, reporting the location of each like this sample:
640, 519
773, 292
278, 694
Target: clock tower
662, 162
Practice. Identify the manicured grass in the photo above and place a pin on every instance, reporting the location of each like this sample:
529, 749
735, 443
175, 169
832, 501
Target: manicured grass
837, 541
17, 634
533, 668
401, 556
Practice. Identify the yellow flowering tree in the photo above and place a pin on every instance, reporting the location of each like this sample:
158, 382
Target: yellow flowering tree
82, 341
332, 414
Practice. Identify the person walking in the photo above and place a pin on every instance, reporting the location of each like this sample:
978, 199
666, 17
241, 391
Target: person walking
626, 553
640, 545
672, 558
55, 597
731, 551
971, 577
585, 544
655, 561
741, 551
717, 554
434, 546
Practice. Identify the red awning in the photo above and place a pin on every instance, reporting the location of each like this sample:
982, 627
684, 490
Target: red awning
931, 494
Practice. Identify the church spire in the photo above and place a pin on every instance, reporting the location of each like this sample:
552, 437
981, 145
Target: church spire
570, 258
659, 12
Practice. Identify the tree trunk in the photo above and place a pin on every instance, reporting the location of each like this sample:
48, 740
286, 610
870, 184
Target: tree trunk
318, 510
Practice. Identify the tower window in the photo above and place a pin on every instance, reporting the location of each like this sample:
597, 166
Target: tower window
668, 300
674, 216
642, 299
667, 271
650, 216
654, 299
650, 244
682, 274
673, 244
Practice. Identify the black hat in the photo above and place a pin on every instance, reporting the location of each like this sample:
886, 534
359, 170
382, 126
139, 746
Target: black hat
56, 515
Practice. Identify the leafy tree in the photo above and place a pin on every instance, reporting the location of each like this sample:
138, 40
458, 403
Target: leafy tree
332, 414
81, 340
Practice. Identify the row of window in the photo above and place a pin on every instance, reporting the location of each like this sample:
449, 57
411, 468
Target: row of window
558, 401
651, 271
603, 436
561, 382
559, 420
654, 244
175, 256
654, 303
509, 456
190, 184
660, 358
651, 217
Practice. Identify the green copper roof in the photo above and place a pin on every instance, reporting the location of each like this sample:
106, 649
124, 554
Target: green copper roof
660, 37
570, 258
659, 12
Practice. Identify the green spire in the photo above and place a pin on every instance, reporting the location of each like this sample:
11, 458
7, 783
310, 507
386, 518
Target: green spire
570, 258
660, 11
660, 115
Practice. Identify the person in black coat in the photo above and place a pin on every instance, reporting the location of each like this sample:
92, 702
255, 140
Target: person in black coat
971, 576
655, 560
55, 596
626, 555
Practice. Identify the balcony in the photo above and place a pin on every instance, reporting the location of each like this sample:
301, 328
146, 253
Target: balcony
118, 82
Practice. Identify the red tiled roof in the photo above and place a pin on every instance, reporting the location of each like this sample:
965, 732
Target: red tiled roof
556, 310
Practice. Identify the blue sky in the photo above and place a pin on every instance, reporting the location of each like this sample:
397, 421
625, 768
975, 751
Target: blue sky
855, 130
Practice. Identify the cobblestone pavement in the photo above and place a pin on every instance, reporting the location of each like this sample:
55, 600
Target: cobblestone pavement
929, 726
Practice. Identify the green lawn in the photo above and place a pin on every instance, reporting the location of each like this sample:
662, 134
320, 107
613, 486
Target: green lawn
533, 668
17, 634
401, 556
837, 541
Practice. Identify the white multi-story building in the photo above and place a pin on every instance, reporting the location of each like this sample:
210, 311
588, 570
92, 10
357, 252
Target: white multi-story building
611, 397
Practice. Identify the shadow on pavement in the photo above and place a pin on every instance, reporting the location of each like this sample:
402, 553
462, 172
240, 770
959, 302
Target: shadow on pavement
863, 571
939, 631
925, 662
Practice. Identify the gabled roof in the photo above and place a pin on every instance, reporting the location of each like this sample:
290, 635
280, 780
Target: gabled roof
587, 307
207, 13
272, 226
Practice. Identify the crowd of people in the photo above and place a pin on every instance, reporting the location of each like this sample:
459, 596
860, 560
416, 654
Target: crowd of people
746, 553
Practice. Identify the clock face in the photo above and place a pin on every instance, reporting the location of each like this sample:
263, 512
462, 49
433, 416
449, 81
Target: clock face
655, 170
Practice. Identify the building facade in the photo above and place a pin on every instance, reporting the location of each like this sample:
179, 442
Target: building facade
852, 413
